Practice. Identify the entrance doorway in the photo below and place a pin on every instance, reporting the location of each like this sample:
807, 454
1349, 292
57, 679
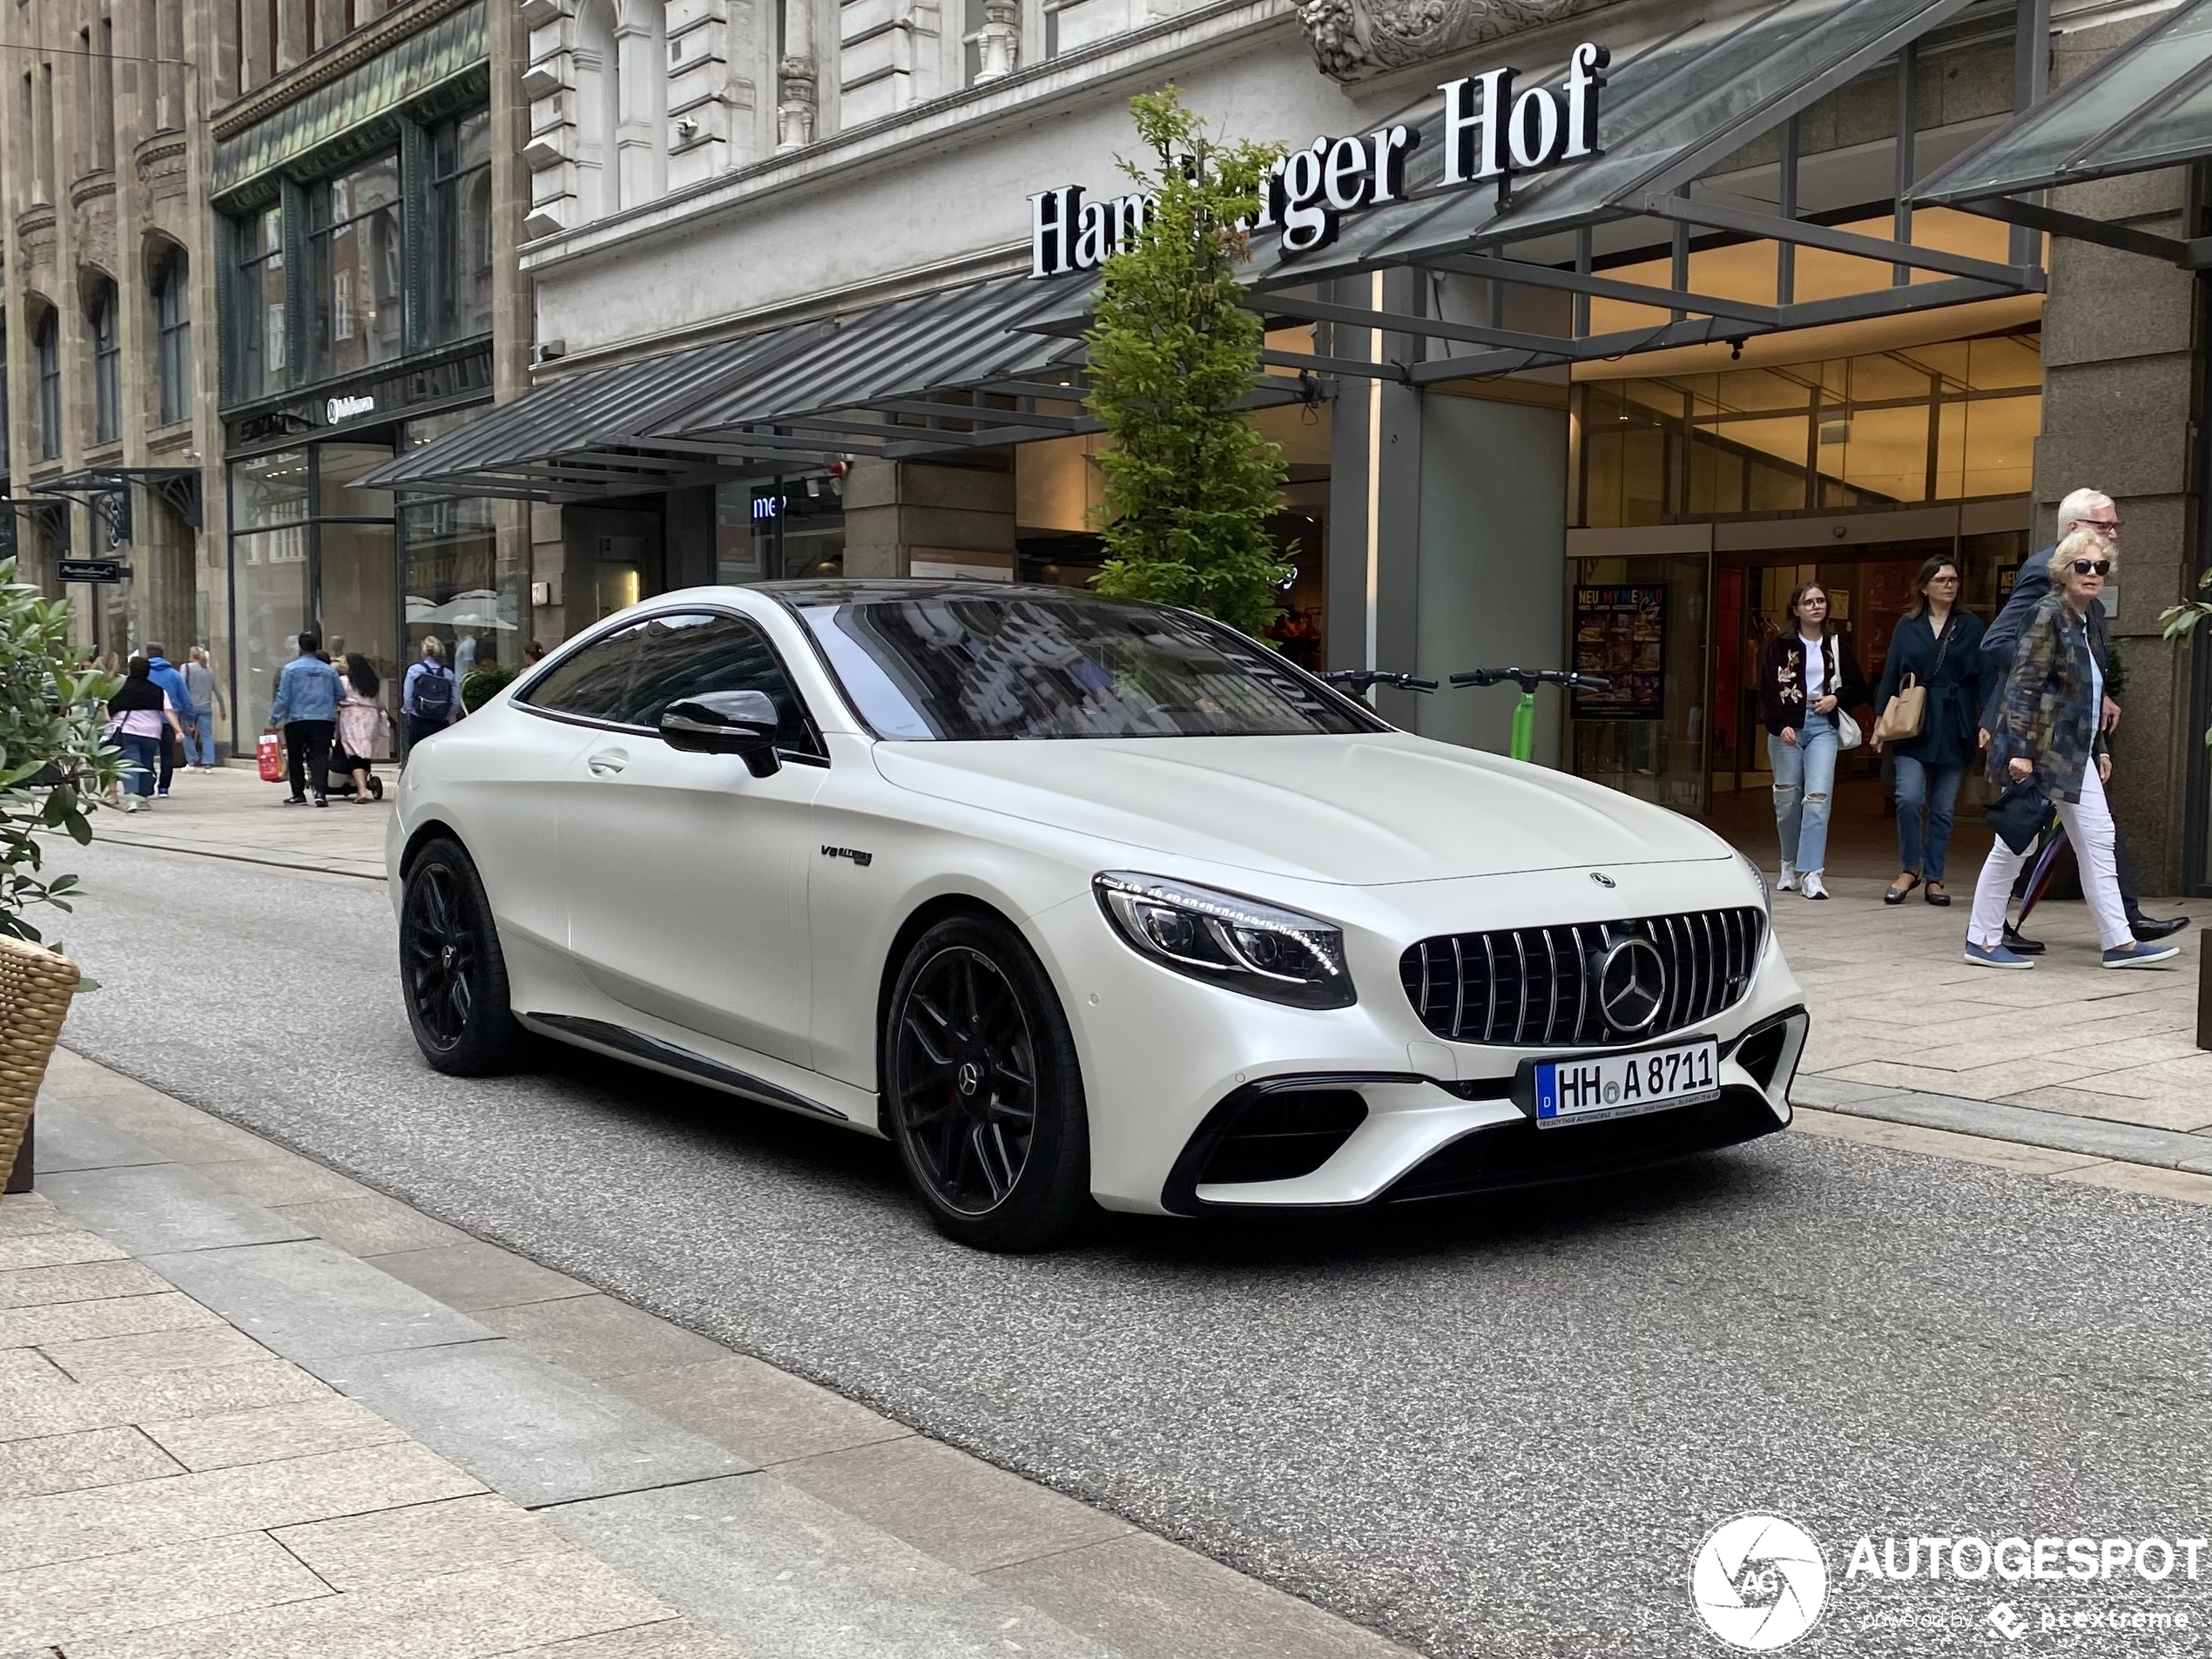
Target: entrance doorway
1870, 587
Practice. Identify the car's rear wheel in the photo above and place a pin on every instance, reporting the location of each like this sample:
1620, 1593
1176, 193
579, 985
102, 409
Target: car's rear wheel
985, 1094
451, 971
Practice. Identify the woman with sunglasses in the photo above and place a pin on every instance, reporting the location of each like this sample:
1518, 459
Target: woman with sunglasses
2049, 732
1939, 645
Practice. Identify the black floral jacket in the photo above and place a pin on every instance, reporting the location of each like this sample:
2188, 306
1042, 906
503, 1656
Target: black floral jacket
1782, 680
2048, 712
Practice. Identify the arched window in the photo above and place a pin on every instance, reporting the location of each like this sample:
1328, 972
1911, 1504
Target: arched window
172, 333
107, 363
596, 106
46, 343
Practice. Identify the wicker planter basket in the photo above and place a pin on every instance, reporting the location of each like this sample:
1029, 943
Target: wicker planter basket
35, 988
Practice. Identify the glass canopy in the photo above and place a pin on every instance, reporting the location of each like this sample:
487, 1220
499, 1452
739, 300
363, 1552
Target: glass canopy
2148, 105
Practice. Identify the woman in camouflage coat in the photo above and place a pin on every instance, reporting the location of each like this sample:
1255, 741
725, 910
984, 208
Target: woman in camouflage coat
2048, 733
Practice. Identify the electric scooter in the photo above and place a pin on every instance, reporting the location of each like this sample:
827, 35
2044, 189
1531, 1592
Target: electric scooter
1523, 744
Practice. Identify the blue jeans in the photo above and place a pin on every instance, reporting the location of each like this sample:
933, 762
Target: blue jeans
143, 758
1805, 778
1933, 790
199, 749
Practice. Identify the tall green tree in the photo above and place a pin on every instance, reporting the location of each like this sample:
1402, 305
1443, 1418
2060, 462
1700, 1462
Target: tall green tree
1189, 484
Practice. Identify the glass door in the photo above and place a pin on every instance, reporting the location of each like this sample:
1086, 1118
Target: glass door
1644, 621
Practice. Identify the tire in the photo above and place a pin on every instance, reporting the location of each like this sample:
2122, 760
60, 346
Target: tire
452, 975
983, 1094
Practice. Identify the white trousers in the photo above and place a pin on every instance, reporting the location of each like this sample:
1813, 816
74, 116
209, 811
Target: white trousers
2089, 826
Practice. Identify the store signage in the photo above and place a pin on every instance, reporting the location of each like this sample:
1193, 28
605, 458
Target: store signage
345, 409
91, 570
1492, 133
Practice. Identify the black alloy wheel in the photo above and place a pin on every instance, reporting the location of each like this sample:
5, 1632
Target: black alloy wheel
451, 971
985, 1094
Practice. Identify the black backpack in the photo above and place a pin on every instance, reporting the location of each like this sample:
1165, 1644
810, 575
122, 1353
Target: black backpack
434, 692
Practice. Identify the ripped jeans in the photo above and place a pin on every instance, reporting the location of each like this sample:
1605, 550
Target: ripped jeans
1805, 778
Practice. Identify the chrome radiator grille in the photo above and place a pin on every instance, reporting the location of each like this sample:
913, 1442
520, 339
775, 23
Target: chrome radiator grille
1539, 987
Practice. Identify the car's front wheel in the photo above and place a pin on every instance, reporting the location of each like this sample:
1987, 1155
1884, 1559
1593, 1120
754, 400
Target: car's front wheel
451, 971
985, 1094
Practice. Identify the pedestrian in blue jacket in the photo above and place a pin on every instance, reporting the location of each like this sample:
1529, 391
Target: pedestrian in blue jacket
171, 679
306, 708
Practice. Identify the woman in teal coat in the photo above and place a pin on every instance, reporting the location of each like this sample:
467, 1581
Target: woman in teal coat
1940, 646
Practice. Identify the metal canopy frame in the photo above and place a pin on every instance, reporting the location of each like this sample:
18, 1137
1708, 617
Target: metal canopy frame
2102, 125
106, 490
1654, 151
52, 517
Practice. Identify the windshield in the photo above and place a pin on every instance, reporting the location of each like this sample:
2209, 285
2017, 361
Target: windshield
1035, 663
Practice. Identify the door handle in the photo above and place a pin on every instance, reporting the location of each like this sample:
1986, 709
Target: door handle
608, 762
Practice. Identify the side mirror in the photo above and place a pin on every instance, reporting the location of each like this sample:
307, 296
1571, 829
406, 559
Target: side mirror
724, 723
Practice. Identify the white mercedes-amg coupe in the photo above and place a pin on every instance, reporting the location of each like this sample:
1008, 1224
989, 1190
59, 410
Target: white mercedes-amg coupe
1078, 901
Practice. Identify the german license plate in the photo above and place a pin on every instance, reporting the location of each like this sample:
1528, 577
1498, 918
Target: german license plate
1582, 1091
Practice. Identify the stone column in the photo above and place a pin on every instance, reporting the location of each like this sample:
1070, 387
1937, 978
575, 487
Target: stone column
795, 78
2121, 374
999, 44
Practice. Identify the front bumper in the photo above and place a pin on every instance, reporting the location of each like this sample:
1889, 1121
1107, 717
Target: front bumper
1170, 1063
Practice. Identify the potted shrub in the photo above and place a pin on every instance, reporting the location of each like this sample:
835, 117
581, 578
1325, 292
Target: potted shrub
55, 764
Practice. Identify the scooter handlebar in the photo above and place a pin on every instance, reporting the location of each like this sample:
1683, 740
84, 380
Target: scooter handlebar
1530, 678
1361, 679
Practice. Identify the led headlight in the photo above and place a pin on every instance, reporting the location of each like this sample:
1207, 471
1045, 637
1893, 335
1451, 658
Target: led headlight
1766, 894
1226, 939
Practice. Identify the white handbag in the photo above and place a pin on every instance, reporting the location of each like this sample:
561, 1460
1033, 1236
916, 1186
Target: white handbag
1848, 736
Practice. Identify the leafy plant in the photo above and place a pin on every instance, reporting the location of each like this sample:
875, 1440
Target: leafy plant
482, 683
2180, 620
55, 760
1188, 484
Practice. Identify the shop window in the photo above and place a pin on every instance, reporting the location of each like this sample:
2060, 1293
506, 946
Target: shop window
46, 342
258, 341
461, 228
355, 270
107, 363
172, 334
1951, 420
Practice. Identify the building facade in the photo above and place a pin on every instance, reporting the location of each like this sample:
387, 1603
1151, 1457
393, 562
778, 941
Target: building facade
254, 249
106, 361
1595, 364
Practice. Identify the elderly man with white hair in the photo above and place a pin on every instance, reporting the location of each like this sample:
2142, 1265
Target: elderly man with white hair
2093, 511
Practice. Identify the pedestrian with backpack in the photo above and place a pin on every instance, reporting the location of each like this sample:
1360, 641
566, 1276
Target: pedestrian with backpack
429, 696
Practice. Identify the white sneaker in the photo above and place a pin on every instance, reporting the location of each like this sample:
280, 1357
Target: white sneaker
1810, 883
130, 803
1789, 881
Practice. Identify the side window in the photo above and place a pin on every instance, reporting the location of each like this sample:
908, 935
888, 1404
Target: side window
684, 655
594, 685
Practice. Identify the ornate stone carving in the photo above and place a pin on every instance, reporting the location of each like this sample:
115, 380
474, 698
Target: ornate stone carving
794, 104
1353, 39
999, 43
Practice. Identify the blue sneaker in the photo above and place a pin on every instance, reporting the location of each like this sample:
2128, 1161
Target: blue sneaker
2137, 954
1995, 956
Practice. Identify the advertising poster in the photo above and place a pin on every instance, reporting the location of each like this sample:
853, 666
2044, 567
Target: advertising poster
1622, 634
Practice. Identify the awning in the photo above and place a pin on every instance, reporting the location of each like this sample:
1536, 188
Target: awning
947, 371
956, 370
2148, 105
576, 438
1672, 111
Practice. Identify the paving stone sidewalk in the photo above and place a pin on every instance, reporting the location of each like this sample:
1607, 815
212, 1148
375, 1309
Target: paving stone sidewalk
231, 814
249, 1406
1895, 1008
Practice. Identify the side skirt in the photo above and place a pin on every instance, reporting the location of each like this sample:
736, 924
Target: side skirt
626, 1044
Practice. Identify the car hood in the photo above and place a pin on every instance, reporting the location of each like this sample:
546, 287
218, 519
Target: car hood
1362, 811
